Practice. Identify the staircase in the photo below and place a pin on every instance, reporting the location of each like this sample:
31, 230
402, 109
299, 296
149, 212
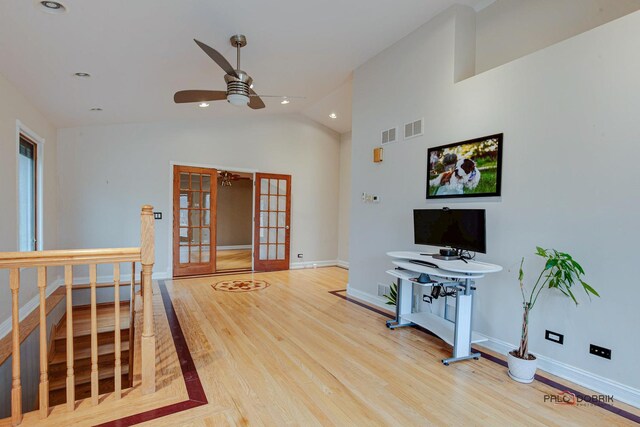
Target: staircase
82, 352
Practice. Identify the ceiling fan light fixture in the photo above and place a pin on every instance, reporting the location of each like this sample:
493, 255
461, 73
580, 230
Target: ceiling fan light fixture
203, 105
238, 99
333, 116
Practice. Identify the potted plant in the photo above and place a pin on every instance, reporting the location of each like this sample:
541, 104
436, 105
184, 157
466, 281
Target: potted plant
393, 295
561, 272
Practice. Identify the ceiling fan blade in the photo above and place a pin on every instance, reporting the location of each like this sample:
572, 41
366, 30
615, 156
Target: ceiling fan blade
199, 96
217, 57
278, 96
254, 100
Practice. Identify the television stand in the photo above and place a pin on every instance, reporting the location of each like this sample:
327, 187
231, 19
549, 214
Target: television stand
457, 274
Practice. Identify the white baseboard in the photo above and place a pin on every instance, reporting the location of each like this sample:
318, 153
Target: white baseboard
231, 248
379, 302
620, 392
312, 264
343, 264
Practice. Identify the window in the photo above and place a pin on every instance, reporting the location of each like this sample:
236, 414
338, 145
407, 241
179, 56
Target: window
27, 191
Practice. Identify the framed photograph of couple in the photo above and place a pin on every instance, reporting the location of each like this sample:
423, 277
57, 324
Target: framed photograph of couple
470, 168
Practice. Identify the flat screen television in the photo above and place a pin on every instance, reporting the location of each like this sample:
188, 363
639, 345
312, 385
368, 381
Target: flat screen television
462, 229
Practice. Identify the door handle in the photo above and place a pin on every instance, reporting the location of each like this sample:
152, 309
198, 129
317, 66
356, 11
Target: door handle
286, 228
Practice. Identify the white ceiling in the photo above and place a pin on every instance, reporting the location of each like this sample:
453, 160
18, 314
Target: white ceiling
140, 52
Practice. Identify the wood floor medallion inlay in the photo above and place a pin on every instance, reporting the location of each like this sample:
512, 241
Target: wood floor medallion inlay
240, 285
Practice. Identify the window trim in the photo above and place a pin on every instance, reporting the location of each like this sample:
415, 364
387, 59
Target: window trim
25, 132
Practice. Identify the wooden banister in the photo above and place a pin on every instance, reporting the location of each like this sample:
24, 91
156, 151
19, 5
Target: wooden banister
71, 388
117, 365
147, 258
16, 386
93, 279
41, 260
44, 365
68, 257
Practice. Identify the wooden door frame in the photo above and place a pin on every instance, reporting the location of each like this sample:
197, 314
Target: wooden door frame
173, 163
198, 268
286, 263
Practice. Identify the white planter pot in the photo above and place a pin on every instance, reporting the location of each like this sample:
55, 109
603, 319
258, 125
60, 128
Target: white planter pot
522, 370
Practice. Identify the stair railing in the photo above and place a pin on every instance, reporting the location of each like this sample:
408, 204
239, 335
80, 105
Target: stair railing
41, 260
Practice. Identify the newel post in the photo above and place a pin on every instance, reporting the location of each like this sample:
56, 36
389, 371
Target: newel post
148, 346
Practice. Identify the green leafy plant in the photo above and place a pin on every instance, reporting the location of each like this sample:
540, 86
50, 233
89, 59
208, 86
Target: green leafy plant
392, 298
560, 272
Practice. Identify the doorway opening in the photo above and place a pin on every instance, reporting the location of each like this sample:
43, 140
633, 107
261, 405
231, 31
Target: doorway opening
234, 221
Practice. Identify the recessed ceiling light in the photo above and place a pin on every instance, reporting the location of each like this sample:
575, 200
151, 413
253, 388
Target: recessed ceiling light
203, 105
333, 116
285, 101
53, 7
82, 75
96, 109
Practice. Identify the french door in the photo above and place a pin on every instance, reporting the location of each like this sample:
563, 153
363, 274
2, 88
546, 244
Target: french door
272, 222
194, 219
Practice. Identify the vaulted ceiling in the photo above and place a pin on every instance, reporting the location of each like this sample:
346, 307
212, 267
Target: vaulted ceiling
140, 52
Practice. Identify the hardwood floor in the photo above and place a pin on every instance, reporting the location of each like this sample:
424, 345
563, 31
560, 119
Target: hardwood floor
233, 259
294, 354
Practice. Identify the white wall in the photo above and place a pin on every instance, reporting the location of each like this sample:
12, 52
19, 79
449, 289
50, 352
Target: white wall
13, 107
569, 116
108, 172
345, 198
510, 29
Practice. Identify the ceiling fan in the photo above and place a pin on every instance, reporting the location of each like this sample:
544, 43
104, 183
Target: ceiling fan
239, 91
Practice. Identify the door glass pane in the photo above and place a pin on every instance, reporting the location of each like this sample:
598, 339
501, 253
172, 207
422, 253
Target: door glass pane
195, 199
184, 236
195, 181
263, 252
195, 236
184, 254
206, 200
282, 187
184, 181
184, 200
263, 235
206, 236
264, 186
264, 217
272, 235
195, 254
273, 186
281, 219
264, 203
281, 235
272, 252
205, 255
206, 221
282, 203
280, 252
273, 203
272, 219
194, 218
206, 182
184, 217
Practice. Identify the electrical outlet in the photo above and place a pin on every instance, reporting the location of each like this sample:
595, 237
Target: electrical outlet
157, 215
554, 337
383, 289
300, 256
600, 351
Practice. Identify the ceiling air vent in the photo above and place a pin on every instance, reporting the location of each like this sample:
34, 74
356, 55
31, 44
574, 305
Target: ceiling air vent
413, 129
389, 135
